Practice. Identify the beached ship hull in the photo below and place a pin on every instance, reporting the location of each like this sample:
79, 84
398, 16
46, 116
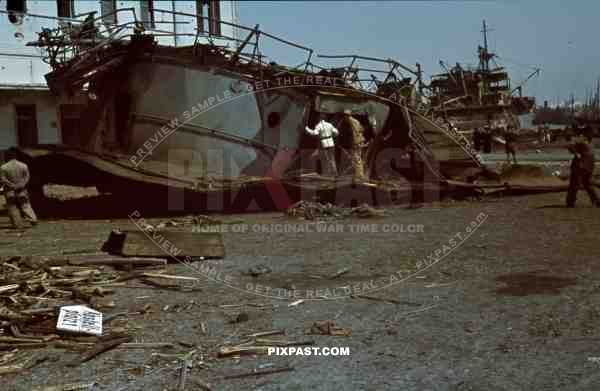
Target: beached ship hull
208, 118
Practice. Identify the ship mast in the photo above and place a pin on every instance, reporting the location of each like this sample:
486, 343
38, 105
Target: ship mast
486, 62
484, 55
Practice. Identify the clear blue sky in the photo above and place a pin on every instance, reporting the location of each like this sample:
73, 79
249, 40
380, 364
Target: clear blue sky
560, 37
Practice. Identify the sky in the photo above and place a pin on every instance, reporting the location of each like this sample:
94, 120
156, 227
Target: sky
559, 37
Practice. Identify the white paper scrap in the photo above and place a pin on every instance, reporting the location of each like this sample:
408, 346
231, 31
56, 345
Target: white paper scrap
80, 319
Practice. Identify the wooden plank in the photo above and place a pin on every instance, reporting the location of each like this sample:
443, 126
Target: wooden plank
165, 244
100, 348
115, 261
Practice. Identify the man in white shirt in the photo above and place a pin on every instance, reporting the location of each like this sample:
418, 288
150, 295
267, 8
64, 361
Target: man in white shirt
326, 131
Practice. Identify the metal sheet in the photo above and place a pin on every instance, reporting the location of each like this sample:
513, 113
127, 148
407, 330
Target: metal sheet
181, 93
290, 111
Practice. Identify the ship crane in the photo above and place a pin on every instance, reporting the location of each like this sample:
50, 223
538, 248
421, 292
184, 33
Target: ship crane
520, 86
448, 72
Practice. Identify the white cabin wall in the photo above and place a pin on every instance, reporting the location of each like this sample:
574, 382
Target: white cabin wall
22, 68
47, 119
8, 136
46, 116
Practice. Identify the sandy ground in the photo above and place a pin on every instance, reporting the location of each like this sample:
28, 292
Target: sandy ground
515, 306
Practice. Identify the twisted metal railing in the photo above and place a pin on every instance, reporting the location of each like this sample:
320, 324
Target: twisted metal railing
88, 34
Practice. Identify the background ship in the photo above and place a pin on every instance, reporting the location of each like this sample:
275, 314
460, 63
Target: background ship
475, 97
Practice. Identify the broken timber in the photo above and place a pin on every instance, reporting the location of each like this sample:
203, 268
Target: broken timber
159, 244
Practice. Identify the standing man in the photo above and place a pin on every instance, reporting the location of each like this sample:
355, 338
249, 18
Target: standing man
582, 168
487, 139
358, 143
14, 176
509, 138
477, 139
325, 131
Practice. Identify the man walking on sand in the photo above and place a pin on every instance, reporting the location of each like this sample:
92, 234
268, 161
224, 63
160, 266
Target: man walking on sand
326, 131
582, 168
14, 176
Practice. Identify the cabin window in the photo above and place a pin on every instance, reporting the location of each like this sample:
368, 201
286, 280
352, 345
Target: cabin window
65, 8
214, 17
108, 8
14, 8
147, 13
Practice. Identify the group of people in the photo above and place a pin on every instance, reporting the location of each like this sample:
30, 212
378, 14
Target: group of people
327, 132
483, 138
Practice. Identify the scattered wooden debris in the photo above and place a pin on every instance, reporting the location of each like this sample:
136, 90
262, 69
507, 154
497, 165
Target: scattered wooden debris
9, 288
313, 210
66, 387
115, 261
328, 327
203, 385
257, 270
148, 345
186, 365
339, 273
170, 277
367, 211
33, 289
387, 300
265, 333
437, 285
240, 318
259, 346
260, 373
226, 351
282, 343
27, 363
100, 348
183, 374
427, 308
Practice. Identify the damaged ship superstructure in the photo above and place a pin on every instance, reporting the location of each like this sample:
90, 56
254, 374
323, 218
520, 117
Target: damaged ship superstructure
209, 117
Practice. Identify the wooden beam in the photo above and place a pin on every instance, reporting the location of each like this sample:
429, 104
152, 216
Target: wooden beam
166, 244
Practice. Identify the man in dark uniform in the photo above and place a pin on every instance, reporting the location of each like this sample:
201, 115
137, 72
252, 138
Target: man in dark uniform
582, 168
487, 140
477, 139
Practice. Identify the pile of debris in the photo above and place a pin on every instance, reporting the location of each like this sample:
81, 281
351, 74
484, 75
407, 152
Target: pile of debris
315, 210
45, 302
183, 223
